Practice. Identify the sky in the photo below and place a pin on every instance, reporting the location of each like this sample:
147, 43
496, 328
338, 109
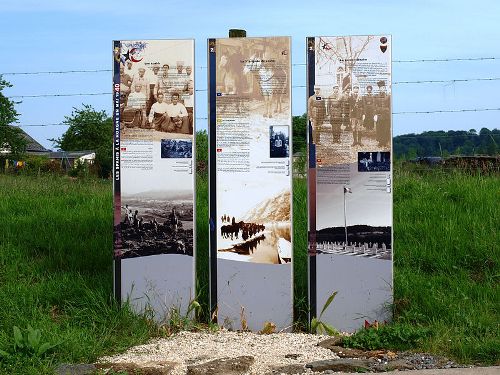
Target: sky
69, 35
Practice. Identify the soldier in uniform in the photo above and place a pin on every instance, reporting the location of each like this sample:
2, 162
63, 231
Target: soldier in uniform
346, 107
335, 113
356, 109
368, 105
317, 111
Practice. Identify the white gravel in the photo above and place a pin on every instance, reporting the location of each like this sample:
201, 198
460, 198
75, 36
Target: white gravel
198, 347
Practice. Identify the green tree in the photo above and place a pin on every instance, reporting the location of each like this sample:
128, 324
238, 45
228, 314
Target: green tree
12, 139
299, 133
89, 130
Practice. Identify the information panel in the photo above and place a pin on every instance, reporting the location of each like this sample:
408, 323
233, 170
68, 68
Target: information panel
350, 179
154, 174
250, 182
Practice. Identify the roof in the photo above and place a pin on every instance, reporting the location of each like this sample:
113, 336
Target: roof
32, 146
69, 154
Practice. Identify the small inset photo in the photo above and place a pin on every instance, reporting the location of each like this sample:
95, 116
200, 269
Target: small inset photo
376, 161
279, 141
176, 148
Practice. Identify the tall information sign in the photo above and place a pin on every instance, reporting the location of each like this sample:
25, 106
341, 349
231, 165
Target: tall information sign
250, 182
350, 178
154, 171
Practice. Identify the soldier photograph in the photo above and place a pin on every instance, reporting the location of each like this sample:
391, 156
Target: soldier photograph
350, 110
279, 142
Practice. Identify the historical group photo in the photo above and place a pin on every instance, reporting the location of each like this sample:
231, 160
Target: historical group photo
156, 92
350, 108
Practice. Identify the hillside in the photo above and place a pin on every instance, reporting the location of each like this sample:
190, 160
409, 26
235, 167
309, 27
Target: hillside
274, 209
444, 143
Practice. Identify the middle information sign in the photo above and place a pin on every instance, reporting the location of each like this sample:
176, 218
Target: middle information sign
250, 182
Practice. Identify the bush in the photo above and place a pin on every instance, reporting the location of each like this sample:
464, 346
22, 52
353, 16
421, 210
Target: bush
397, 336
35, 165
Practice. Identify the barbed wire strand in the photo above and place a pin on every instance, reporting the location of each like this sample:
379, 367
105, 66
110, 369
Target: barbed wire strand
447, 111
394, 113
293, 86
294, 64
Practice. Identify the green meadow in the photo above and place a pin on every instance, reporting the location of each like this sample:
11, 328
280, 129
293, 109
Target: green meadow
56, 269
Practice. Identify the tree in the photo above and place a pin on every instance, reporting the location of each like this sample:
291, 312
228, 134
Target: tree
12, 139
299, 133
89, 130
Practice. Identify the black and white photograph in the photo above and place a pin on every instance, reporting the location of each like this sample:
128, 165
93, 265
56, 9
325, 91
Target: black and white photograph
355, 218
157, 222
374, 161
279, 142
361, 241
176, 148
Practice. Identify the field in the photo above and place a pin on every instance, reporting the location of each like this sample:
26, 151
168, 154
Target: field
56, 274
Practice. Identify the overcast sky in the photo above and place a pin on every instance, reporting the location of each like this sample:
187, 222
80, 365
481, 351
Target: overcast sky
68, 35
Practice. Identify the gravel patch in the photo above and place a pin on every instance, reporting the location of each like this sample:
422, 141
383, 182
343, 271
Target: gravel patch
191, 348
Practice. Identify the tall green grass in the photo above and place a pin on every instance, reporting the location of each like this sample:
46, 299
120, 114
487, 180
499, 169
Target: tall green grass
447, 255
202, 247
56, 275
300, 245
56, 272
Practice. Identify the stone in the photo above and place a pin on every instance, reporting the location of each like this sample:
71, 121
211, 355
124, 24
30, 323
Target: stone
80, 369
222, 366
332, 341
356, 353
346, 365
347, 352
287, 370
292, 355
398, 364
149, 368
391, 355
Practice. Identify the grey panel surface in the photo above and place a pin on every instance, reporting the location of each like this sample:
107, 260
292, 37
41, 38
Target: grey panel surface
363, 285
264, 287
158, 282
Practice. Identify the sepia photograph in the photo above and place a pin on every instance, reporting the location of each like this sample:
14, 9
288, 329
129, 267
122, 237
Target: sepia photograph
350, 110
253, 76
156, 89
255, 230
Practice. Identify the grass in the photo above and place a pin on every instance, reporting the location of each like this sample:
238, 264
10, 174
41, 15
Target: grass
447, 256
56, 275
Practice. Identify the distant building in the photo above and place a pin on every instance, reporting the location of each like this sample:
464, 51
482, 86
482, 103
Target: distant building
69, 159
32, 146
66, 158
